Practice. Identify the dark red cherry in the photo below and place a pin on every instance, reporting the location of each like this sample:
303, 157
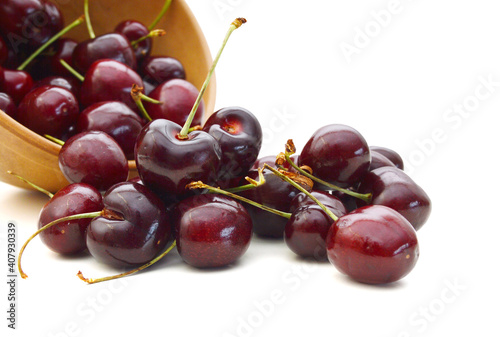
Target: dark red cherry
275, 193
68, 83
16, 83
379, 160
393, 188
211, 230
62, 50
330, 201
28, 24
373, 244
177, 97
94, 158
239, 135
114, 118
48, 110
337, 154
159, 69
4, 51
109, 80
69, 237
7, 105
392, 155
108, 46
136, 232
134, 30
166, 163
306, 231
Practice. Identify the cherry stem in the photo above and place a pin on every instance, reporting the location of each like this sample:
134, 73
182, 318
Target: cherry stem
75, 23
166, 6
97, 280
87, 19
153, 33
185, 129
138, 96
199, 184
54, 139
253, 183
365, 197
72, 70
303, 190
36, 187
47, 226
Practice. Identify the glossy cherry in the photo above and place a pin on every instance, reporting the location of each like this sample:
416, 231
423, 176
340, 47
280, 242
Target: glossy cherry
134, 30
327, 199
379, 160
239, 135
136, 229
337, 154
373, 244
94, 158
48, 110
114, 118
69, 237
16, 84
26, 25
177, 97
7, 105
390, 154
159, 69
211, 230
108, 46
68, 83
393, 188
109, 80
167, 163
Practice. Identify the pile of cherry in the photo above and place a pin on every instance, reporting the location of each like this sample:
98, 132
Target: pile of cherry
200, 189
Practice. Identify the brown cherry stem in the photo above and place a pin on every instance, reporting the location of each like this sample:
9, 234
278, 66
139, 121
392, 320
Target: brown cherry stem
51, 224
252, 183
133, 271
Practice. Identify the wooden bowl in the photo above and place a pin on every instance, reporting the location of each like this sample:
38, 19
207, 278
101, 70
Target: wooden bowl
34, 157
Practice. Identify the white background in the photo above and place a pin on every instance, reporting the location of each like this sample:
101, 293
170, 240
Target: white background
404, 84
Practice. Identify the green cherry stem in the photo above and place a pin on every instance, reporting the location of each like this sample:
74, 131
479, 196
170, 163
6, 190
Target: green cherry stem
54, 139
166, 6
156, 259
72, 70
72, 25
51, 224
199, 184
153, 33
138, 96
36, 187
303, 190
253, 183
87, 19
185, 129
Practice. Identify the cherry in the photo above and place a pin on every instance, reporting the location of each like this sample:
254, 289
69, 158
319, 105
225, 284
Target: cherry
108, 46
134, 30
393, 188
109, 80
68, 83
114, 118
137, 231
330, 201
7, 105
27, 25
48, 110
338, 154
94, 158
239, 135
392, 155
177, 97
379, 160
69, 237
373, 244
16, 83
271, 161
4, 51
211, 230
159, 69
62, 50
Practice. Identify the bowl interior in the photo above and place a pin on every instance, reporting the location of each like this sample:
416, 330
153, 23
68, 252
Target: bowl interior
34, 157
